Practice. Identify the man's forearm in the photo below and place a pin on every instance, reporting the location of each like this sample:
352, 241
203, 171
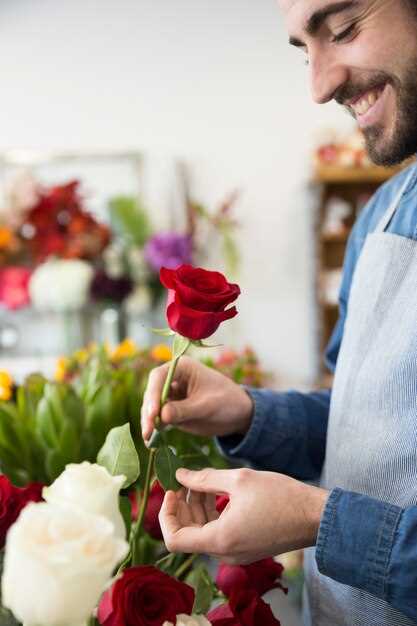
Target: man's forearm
287, 433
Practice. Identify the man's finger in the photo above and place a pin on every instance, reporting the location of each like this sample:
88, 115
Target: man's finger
151, 399
185, 538
207, 480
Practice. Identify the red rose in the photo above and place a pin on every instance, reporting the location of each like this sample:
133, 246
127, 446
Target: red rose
245, 608
260, 576
145, 596
14, 292
197, 300
12, 501
153, 506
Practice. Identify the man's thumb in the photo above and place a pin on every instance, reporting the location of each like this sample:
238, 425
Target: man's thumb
207, 480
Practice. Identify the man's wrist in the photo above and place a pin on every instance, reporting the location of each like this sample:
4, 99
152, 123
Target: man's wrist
313, 504
246, 413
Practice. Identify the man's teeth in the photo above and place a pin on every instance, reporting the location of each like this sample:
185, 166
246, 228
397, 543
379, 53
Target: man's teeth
363, 105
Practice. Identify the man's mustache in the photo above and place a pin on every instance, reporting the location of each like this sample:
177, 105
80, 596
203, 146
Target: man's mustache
353, 90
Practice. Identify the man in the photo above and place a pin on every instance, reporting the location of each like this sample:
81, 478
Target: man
360, 438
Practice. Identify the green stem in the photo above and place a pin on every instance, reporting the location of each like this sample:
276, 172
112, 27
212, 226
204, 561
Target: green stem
166, 388
138, 524
186, 565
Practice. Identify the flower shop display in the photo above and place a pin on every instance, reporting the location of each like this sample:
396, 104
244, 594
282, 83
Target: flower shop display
92, 551
58, 259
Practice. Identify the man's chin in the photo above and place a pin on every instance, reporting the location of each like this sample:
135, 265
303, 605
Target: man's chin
383, 151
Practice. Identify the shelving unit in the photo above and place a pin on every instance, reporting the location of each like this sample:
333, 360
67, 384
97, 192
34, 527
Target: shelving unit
353, 186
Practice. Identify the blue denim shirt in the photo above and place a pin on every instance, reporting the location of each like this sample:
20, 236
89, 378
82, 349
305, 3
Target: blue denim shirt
288, 434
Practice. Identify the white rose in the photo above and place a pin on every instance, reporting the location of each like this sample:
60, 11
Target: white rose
90, 488
61, 285
189, 620
57, 563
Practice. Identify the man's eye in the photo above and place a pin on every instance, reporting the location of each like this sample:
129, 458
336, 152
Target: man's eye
344, 34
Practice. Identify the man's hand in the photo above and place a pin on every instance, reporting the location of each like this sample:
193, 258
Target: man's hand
202, 401
268, 514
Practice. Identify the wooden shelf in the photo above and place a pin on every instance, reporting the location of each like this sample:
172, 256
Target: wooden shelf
337, 174
335, 238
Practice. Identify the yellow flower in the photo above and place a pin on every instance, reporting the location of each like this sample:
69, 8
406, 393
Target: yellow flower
5, 379
61, 369
124, 350
81, 355
161, 352
5, 393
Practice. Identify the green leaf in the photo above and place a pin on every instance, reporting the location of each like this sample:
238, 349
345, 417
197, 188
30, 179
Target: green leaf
69, 443
200, 580
200, 344
164, 332
118, 455
181, 344
166, 464
55, 464
46, 425
195, 461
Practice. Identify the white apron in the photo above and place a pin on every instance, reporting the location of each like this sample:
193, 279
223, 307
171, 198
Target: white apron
372, 432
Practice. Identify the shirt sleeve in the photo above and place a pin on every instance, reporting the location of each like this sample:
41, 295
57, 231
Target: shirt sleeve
288, 430
371, 545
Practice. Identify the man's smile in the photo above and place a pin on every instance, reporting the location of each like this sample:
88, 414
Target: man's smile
369, 107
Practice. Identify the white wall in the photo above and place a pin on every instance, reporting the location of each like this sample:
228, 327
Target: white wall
212, 82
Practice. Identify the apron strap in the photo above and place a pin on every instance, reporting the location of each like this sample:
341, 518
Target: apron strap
389, 213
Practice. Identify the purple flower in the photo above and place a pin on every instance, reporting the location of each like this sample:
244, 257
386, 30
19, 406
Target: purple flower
168, 250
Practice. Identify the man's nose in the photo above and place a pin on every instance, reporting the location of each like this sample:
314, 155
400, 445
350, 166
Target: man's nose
327, 76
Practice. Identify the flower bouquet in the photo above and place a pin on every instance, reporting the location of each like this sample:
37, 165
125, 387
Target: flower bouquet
88, 547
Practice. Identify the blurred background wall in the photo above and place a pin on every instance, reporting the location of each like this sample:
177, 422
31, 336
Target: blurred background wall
213, 83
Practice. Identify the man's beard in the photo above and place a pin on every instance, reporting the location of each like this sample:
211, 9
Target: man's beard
403, 140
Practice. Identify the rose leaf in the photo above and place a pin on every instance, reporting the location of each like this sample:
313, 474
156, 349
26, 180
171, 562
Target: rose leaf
119, 456
166, 464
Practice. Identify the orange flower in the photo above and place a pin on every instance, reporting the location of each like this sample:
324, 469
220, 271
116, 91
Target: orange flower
5, 393
6, 238
124, 350
161, 352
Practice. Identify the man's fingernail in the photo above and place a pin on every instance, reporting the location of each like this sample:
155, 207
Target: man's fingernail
182, 471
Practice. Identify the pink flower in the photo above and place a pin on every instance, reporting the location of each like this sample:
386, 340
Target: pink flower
14, 293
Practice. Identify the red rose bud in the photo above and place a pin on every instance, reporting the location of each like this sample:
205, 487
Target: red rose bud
197, 300
153, 506
145, 596
260, 577
12, 501
245, 608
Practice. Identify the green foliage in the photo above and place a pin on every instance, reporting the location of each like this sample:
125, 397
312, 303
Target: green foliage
119, 456
131, 219
200, 580
166, 464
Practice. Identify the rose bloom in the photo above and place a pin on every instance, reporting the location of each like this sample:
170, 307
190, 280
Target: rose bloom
197, 300
57, 563
153, 506
12, 501
260, 576
14, 287
89, 487
245, 608
145, 596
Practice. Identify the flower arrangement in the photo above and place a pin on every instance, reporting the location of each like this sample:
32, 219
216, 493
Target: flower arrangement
49, 237
92, 551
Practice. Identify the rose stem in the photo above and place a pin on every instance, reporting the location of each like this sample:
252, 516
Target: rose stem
184, 566
164, 397
150, 468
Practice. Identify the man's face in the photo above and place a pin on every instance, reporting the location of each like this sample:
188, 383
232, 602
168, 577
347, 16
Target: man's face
363, 54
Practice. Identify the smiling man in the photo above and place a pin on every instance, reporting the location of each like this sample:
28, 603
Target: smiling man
358, 439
